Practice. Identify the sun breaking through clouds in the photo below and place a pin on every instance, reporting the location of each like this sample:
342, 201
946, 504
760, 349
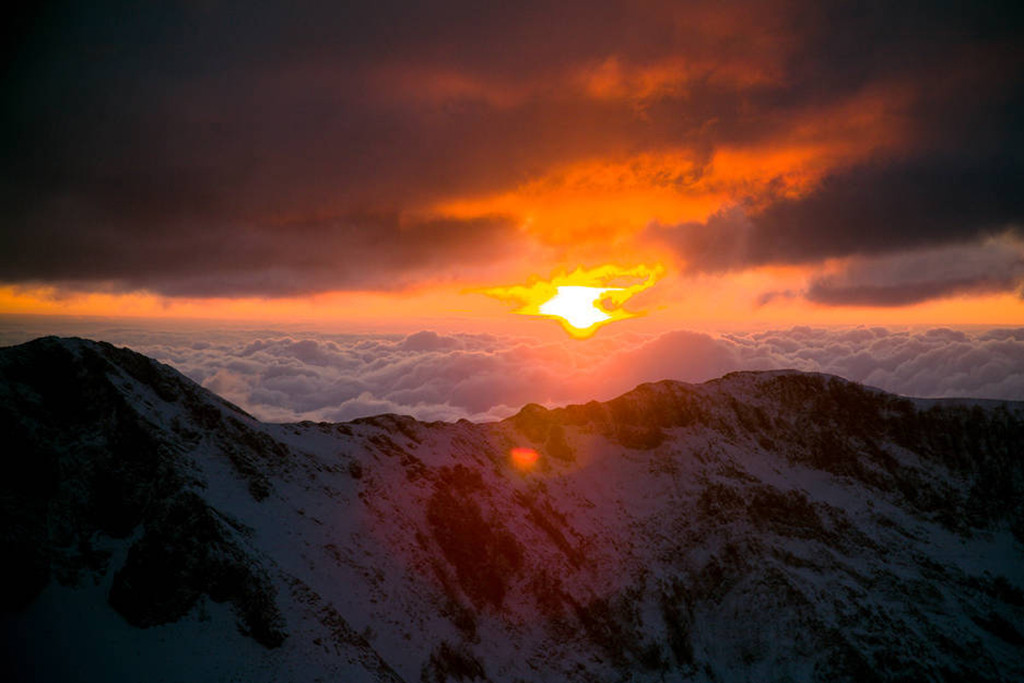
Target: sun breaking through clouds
584, 300
781, 152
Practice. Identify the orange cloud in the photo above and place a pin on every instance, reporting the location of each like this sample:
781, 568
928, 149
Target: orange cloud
596, 207
617, 79
430, 150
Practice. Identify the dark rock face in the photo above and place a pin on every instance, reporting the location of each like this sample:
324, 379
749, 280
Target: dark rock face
484, 554
955, 465
83, 459
763, 526
186, 553
836, 426
78, 459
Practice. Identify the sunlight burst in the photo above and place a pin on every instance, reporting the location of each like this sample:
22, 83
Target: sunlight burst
576, 305
584, 300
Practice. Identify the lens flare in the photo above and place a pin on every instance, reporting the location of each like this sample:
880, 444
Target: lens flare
584, 300
524, 458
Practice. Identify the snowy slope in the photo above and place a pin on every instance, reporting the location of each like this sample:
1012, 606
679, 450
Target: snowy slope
763, 526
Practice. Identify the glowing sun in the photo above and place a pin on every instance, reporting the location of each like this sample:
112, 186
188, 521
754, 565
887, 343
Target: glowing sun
584, 300
576, 305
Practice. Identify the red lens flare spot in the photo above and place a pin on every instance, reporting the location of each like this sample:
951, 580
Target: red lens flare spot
524, 458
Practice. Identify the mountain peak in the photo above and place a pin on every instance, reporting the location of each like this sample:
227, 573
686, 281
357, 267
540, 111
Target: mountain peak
881, 536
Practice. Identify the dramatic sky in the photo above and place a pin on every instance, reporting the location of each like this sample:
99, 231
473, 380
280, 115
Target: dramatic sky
378, 164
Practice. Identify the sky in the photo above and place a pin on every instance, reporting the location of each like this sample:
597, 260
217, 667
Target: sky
846, 162
392, 168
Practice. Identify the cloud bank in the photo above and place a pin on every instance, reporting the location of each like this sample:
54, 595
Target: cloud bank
289, 377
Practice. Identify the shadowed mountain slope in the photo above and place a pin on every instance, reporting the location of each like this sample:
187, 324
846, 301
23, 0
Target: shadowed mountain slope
762, 526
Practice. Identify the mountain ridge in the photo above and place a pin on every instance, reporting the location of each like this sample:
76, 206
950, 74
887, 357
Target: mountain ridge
874, 537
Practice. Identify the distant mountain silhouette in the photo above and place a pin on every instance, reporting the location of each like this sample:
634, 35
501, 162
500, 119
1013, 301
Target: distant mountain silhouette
765, 526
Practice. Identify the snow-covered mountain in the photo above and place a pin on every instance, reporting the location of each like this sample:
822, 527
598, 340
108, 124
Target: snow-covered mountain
765, 526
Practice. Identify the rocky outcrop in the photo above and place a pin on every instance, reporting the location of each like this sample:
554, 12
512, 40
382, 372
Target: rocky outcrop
92, 452
763, 526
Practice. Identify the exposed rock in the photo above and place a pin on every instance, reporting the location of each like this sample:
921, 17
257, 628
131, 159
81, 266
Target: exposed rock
762, 526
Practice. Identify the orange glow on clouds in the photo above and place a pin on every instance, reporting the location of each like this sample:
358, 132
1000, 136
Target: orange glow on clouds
603, 204
584, 300
709, 302
524, 458
388, 184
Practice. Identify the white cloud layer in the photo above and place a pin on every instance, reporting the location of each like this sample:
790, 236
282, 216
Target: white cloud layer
286, 377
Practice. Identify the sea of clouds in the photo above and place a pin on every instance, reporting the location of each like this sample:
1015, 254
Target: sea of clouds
283, 376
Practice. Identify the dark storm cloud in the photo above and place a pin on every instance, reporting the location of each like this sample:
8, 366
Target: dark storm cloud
885, 207
911, 277
380, 251
225, 148
869, 209
847, 44
189, 148
959, 177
